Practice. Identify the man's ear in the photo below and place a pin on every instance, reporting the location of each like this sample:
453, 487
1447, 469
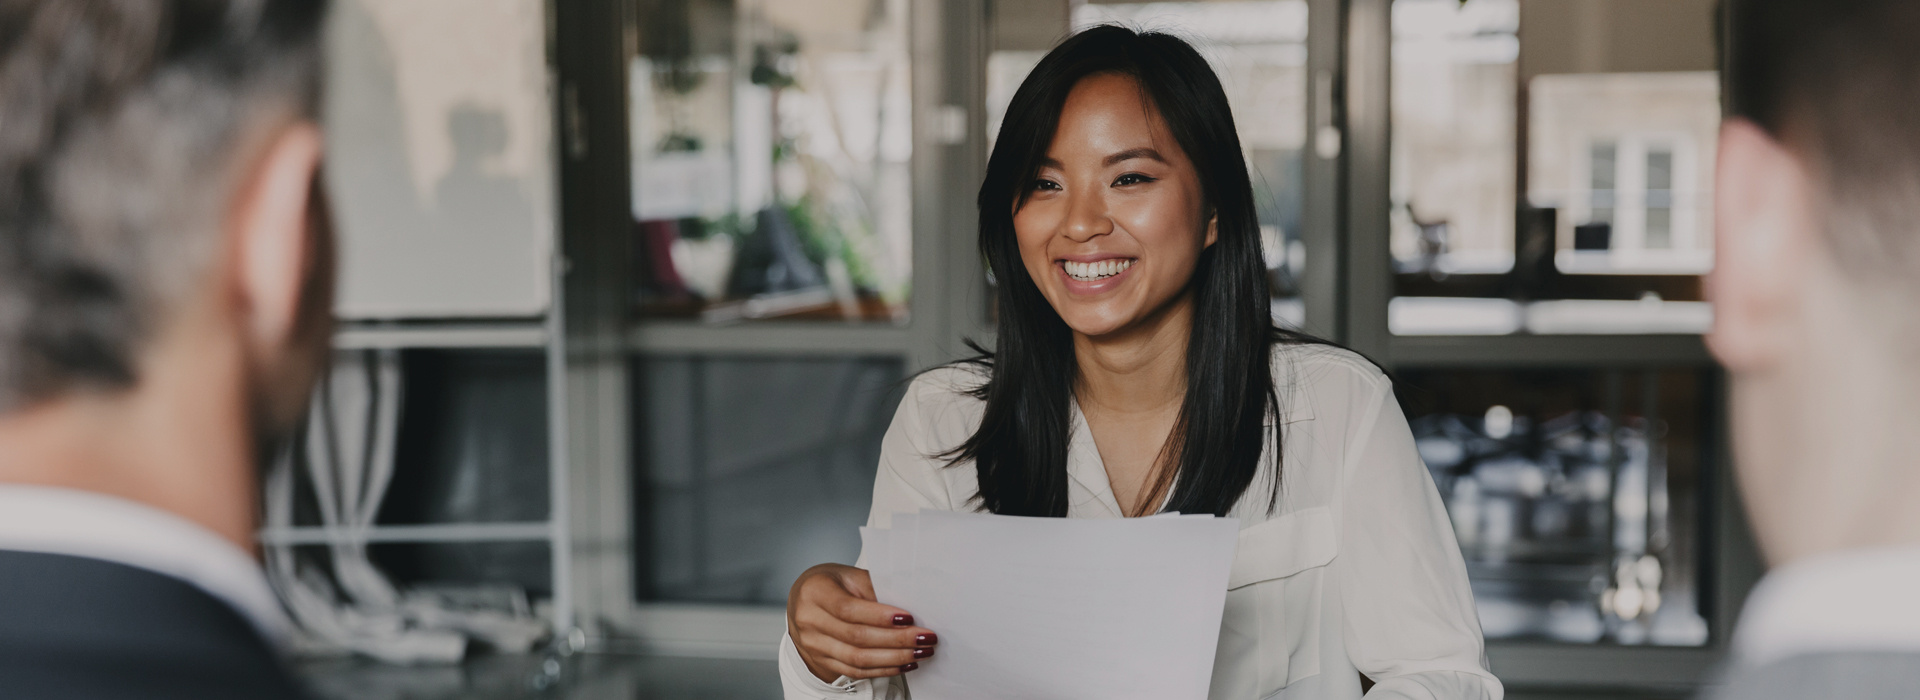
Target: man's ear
274, 237
1764, 236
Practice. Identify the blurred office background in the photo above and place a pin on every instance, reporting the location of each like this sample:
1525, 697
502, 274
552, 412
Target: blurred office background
632, 288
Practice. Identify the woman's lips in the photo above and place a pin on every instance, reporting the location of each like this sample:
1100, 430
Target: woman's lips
1094, 276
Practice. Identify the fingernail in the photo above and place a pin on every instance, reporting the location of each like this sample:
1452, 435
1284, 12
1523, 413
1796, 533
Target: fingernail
927, 640
922, 653
909, 667
903, 620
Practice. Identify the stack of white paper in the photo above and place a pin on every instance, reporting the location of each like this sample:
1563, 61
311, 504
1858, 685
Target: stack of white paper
1056, 609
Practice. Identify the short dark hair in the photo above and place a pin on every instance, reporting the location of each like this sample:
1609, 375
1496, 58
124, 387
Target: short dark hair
119, 124
1838, 81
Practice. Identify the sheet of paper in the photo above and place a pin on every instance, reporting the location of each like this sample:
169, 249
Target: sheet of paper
1051, 608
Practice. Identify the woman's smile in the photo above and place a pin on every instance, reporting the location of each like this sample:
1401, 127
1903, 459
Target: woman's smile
1094, 274
1113, 189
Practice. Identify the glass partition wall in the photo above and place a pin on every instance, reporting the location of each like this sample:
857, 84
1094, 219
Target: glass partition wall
1496, 200
787, 233
1529, 218
770, 147
1576, 495
1551, 166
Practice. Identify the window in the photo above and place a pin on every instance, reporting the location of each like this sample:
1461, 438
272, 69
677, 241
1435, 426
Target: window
1602, 168
1659, 200
1453, 135
1644, 196
1551, 166
771, 146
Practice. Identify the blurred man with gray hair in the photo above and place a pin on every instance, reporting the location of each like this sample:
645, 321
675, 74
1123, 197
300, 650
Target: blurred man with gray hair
1817, 271
165, 296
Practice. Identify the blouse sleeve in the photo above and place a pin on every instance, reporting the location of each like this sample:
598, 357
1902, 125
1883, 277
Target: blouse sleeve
909, 479
1411, 625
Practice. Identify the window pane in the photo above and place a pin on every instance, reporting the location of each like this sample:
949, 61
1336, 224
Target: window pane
1659, 199
1453, 134
1663, 127
1259, 50
1659, 171
472, 440
749, 471
1603, 167
771, 146
1577, 497
1551, 166
1659, 228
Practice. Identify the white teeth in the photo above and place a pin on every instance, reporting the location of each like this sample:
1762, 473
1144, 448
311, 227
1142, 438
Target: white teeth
1088, 272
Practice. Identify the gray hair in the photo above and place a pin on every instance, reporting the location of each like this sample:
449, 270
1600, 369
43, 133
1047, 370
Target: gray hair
120, 123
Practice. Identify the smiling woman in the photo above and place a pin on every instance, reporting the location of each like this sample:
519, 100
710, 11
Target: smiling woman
1119, 152
1136, 371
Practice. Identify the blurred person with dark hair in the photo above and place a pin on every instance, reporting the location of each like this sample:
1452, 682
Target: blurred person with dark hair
1816, 274
165, 297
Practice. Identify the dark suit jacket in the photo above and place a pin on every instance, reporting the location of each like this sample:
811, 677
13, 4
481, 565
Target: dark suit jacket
73, 628
1860, 675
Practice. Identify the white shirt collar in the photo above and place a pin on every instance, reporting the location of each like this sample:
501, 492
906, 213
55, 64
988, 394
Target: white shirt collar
1859, 600
1085, 467
52, 520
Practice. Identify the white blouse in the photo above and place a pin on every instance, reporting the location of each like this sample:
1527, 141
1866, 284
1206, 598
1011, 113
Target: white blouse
1356, 570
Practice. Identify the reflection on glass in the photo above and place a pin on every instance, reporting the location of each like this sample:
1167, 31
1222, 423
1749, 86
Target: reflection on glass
1659, 199
472, 440
1575, 496
771, 145
1648, 140
1602, 164
1453, 135
1547, 153
749, 471
1259, 50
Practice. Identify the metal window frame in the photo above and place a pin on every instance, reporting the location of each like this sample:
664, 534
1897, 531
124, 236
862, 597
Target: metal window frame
546, 332
1368, 285
945, 309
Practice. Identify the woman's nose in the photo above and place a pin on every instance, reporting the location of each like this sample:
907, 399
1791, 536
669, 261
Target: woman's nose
1087, 217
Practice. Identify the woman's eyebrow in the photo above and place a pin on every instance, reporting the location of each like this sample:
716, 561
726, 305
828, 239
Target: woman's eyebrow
1133, 153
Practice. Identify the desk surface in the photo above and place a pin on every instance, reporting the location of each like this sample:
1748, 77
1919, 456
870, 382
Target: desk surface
585, 677
620, 677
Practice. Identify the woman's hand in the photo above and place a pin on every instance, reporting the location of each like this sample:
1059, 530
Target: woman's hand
841, 630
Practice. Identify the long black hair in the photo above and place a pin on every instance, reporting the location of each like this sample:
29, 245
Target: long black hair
1020, 448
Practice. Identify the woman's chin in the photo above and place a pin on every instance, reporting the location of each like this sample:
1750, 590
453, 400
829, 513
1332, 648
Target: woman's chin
1097, 323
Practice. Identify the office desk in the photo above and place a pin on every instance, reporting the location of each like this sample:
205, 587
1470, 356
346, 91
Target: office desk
510, 677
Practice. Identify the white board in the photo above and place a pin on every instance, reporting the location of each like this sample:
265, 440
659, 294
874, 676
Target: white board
440, 158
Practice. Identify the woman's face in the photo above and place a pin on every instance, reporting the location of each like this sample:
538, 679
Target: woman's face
1114, 222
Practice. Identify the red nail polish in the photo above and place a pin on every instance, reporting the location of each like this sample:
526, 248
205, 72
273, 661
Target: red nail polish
926, 640
903, 620
922, 653
909, 667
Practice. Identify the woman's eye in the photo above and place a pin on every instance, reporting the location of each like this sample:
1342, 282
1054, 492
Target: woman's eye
1040, 185
1131, 179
